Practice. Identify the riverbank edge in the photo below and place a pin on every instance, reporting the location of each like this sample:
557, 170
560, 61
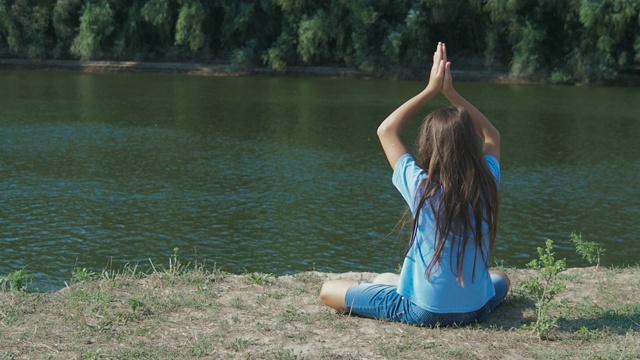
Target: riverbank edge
473, 74
223, 69
208, 314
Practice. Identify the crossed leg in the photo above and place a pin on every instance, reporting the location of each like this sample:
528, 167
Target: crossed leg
333, 292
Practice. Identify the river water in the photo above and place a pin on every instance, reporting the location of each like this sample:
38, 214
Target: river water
283, 175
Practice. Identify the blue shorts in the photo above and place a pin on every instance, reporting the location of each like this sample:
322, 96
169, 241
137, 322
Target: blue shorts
383, 302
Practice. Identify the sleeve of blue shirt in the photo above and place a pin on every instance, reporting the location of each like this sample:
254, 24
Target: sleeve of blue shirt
494, 166
407, 176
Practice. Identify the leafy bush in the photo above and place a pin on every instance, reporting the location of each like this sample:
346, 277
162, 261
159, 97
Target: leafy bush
65, 23
96, 24
544, 287
589, 250
189, 28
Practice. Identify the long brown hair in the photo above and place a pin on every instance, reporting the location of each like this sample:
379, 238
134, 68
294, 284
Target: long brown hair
460, 189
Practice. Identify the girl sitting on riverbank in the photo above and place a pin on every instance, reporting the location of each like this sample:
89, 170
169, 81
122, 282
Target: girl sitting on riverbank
452, 192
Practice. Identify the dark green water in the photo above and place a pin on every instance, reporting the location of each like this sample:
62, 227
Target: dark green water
284, 175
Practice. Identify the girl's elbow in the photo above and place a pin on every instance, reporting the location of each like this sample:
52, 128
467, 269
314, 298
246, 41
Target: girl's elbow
497, 133
496, 137
492, 135
383, 131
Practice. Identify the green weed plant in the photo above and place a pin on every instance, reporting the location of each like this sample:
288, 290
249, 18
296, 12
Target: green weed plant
544, 287
260, 278
18, 280
589, 250
81, 275
175, 266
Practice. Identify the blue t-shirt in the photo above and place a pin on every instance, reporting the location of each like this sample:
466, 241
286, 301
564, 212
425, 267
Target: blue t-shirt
442, 293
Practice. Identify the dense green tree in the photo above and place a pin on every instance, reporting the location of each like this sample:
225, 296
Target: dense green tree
356, 32
159, 14
572, 41
409, 44
129, 36
26, 26
96, 25
609, 30
190, 25
248, 29
525, 34
285, 50
8, 27
65, 22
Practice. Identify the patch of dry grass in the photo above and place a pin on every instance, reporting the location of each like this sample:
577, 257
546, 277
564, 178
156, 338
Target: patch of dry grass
206, 314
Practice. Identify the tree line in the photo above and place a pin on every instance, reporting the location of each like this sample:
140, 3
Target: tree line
567, 41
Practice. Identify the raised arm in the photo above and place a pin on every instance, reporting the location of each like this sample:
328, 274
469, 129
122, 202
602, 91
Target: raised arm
489, 134
390, 131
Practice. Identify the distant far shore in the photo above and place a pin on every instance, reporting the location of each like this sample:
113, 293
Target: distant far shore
206, 69
473, 74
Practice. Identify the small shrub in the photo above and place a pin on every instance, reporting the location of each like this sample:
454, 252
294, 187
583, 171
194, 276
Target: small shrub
544, 287
589, 250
